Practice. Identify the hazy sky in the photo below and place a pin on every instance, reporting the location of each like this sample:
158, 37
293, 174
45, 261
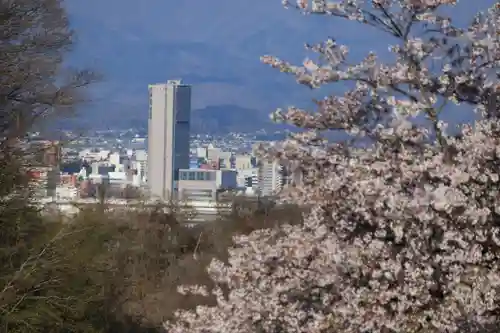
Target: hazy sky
214, 44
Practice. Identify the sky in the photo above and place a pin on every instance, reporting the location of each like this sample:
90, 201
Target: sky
214, 45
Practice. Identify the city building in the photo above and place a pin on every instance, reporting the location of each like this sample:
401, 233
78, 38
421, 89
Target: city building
213, 153
43, 163
244, 162
115, 159
204, 191
248, 178
140, 165
94, 155
271, 178
201, 184
101, 168
168, 136
44, 180
201, 152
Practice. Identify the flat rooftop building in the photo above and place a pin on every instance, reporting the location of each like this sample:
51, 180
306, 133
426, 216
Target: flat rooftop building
168, 136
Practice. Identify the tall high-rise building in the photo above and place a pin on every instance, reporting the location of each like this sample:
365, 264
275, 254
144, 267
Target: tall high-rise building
168, 136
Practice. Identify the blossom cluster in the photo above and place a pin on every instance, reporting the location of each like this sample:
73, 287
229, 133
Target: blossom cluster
404, 230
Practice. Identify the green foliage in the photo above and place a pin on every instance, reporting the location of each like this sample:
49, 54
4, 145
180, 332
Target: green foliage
42, 288
63, 279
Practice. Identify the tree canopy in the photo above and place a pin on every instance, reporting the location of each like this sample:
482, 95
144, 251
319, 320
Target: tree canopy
404, 234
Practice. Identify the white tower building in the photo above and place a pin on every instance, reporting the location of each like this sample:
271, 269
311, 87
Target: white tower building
168, 136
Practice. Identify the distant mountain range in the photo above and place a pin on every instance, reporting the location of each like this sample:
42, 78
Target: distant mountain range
214, 119
230, 118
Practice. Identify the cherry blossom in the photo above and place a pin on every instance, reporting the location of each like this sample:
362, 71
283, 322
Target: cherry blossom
404, 229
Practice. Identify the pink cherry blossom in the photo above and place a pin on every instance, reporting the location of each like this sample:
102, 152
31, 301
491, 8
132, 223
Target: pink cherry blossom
403, 234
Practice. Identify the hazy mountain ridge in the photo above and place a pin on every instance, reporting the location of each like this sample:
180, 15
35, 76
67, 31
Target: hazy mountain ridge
214, 119
230, 118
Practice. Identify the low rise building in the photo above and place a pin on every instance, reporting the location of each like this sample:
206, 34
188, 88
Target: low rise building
44, 180
204, 190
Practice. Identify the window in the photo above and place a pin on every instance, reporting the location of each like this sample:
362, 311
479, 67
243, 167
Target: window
192, 176
150, 103
199, 195
200, 176
184, 175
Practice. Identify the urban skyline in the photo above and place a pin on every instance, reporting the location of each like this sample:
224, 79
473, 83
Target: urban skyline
167, 165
